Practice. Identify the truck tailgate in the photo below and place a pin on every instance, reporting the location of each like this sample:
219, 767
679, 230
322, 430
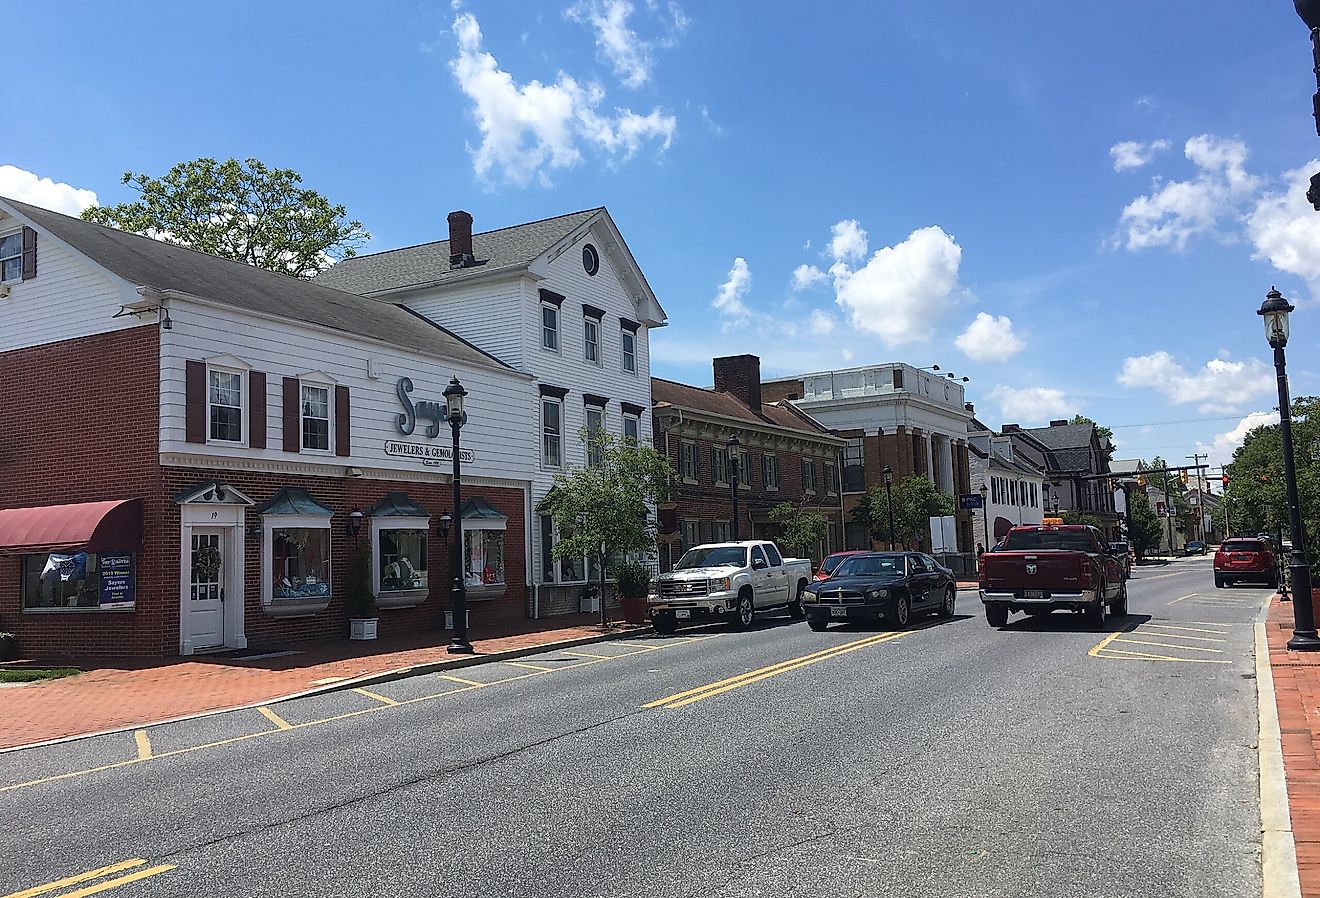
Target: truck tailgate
1043, 569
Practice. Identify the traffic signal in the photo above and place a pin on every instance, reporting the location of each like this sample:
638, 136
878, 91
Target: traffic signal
1141, 480
1113, 485
1182, 475
1223, 481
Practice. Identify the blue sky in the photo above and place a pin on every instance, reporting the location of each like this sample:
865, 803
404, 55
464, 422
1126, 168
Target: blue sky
1077, 206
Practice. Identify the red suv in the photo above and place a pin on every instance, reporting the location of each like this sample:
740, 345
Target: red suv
831, 562
1246, 559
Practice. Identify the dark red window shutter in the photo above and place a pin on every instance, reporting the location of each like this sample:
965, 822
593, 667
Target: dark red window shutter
343, 436
29, 254
292, 416
194, 401
257, 409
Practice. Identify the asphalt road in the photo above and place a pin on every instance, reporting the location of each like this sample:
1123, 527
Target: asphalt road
1046, 759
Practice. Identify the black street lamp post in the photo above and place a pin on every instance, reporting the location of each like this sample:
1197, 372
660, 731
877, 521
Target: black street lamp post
458, 643
1275, 311
733, 479
1309, 10
985, 515
889, 502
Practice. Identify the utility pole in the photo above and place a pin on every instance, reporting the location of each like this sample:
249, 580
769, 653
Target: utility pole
1200, 495
1168, 511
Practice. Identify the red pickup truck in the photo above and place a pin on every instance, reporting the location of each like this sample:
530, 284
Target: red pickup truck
1041, 568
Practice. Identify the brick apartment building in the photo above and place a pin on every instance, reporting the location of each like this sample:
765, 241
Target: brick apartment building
786, 456
912, 420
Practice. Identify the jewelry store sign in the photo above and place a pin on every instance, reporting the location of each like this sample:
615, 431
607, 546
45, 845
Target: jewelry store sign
428, 454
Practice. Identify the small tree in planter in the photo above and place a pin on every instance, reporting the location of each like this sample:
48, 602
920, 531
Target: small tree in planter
634, 580
359, 598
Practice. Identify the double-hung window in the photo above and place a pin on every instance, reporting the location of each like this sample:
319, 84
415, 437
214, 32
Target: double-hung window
595, 427
591, 340
552, 432
629, 342
632, 428
808, 475
224, 404
316, 417
771, 465
831, 486
687, 461
854, 472
719, 465
11, 257
550, 327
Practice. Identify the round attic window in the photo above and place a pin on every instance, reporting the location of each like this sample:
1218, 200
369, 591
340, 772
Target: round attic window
590, 259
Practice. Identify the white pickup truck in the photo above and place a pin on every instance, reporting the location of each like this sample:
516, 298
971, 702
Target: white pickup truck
738, 580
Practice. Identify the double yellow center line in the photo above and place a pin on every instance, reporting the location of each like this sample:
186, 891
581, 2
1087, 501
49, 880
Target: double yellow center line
688, 697
100, 873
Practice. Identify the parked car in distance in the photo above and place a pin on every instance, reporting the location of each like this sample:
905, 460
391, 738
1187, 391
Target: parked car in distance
1123, 552
832, 561
1046, 567
734, 581
1195, 547
1242, 558
881, 586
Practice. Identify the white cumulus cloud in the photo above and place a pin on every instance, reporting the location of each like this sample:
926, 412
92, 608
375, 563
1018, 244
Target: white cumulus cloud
1285, 230
26, 187
1132, 154
631, 56
1177, 211
990, 338
729, 300
1032, 405
901, 292
1223, 446
1219, 386
527, 129
822, 323
805, 276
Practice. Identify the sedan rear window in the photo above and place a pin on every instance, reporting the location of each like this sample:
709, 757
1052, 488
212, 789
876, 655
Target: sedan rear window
1242, 545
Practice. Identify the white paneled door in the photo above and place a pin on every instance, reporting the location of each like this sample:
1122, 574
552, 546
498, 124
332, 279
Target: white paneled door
206, 615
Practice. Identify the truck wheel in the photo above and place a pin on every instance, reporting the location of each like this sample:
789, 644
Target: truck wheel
1119, 608
1096, 614
795, 609
996, 616
817, 625
950, 599
664, 623
902, 612
746, 612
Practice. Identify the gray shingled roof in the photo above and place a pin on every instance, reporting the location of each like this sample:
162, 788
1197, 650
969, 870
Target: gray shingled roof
427, 264
145, 262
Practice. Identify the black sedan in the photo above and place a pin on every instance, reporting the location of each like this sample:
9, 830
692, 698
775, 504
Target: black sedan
881, 586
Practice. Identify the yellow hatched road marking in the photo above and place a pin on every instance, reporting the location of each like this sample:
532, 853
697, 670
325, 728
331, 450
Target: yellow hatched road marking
531, 666
284, 726
1150, 657
1143, 631
143, 744
1095, 650
377, 696
118, 881
590, 655
274, 718
1186, 629
90, 875
1173, 645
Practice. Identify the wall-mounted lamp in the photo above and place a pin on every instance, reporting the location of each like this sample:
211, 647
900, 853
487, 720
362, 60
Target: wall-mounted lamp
354, 526
442, 527
255, 530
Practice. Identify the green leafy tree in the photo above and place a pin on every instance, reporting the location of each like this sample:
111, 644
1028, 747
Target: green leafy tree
1145, 529
802, 531
1081, 517
600, 510
238, 210
1257, 498
1100, 429
916, 501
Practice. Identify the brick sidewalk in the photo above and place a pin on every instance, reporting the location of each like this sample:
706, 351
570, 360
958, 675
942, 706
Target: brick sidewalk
1297, 694
110, 696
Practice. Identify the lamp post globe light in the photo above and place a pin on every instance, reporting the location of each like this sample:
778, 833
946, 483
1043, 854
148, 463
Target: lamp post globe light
457, 417
889, 501
1275, 312
733, 479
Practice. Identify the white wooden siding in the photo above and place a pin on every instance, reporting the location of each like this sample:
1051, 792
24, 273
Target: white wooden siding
499, 405
70, 297
485, 314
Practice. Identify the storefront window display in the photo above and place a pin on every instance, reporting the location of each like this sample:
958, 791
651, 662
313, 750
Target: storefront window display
402, 560
78, 580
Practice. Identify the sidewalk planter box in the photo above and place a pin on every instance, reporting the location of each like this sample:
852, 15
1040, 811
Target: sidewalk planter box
588, 601
8, 647
634, 609
364, 628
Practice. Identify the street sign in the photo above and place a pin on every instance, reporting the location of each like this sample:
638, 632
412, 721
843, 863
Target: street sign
970, 500
1160, 510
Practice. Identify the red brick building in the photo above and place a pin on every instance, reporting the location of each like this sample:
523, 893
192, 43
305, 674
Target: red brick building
786, 456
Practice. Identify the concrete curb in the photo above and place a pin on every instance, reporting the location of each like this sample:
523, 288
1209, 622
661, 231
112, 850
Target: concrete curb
399, 673
1278, 853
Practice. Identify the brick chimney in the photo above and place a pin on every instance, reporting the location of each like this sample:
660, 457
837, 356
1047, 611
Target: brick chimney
460, 239
1060, 422
741, 376
1009, 428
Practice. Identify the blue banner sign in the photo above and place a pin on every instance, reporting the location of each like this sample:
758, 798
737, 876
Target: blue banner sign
116, 580
970, 500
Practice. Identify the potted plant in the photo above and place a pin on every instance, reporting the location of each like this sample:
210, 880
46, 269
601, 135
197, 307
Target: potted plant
8, 646
361, 601
634, 580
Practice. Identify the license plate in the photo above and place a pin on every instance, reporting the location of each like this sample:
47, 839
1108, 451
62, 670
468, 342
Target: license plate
838, 612
682, 612
1033, 594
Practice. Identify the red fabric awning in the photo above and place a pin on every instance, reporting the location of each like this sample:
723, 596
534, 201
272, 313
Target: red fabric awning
114, 526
